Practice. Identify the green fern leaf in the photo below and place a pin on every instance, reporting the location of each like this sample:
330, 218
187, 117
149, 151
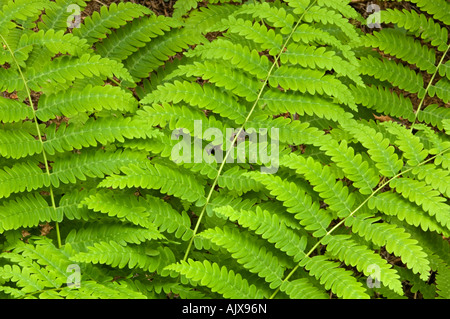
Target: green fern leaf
72, 101
158, 51
239, 56
156, 176
279, 102
363, 259
146, 212
395, 239
19, 10
302, 289
298, 202
334, 193
218, 279
14, 111
394, 205
132, 256
340, 281
245, 250
120, 44
20, 177
92, 163
425, 196
56, 16
69, 137
383, 101
397, 43
429, 30
396, 74
311, 81
16, 142
97, 26
441, 89
434, 115
27, 211
355, 168
204, 97
384, 156
66, 69
270, 228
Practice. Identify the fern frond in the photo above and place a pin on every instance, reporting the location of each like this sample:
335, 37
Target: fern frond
270, 228
383, 154
56, 16
22, 278
434, 115
26, 211
438, 178
265, 38
279, 102
120, 44
98, 25
19, 10
274, 16
16, 142
395, 239
156, 176
354, 167
54, 41
326, 16
73, 101
237, 180
363, 258
14, 111
239, 56
67, 69
439, 9
334, 193
384, 101
310, 34
425, 196
132, 256
218, 279
20, 177
340, 281
298, 202
398, 44
92, 163
394, 204
148, 58
412, 21
441, 89
243, 247
312, 57
73, 136
397, 74
146, 212
302, 289
413, 150
312, 81
203, 96
96, 290
231, 79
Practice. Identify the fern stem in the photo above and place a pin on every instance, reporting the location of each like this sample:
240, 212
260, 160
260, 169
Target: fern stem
428, 87
351, 214
47, 169
275, 63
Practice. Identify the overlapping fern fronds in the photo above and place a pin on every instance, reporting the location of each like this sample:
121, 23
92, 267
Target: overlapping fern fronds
97, 202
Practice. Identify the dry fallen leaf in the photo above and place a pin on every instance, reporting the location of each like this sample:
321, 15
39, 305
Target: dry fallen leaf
45, 229
383, 118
